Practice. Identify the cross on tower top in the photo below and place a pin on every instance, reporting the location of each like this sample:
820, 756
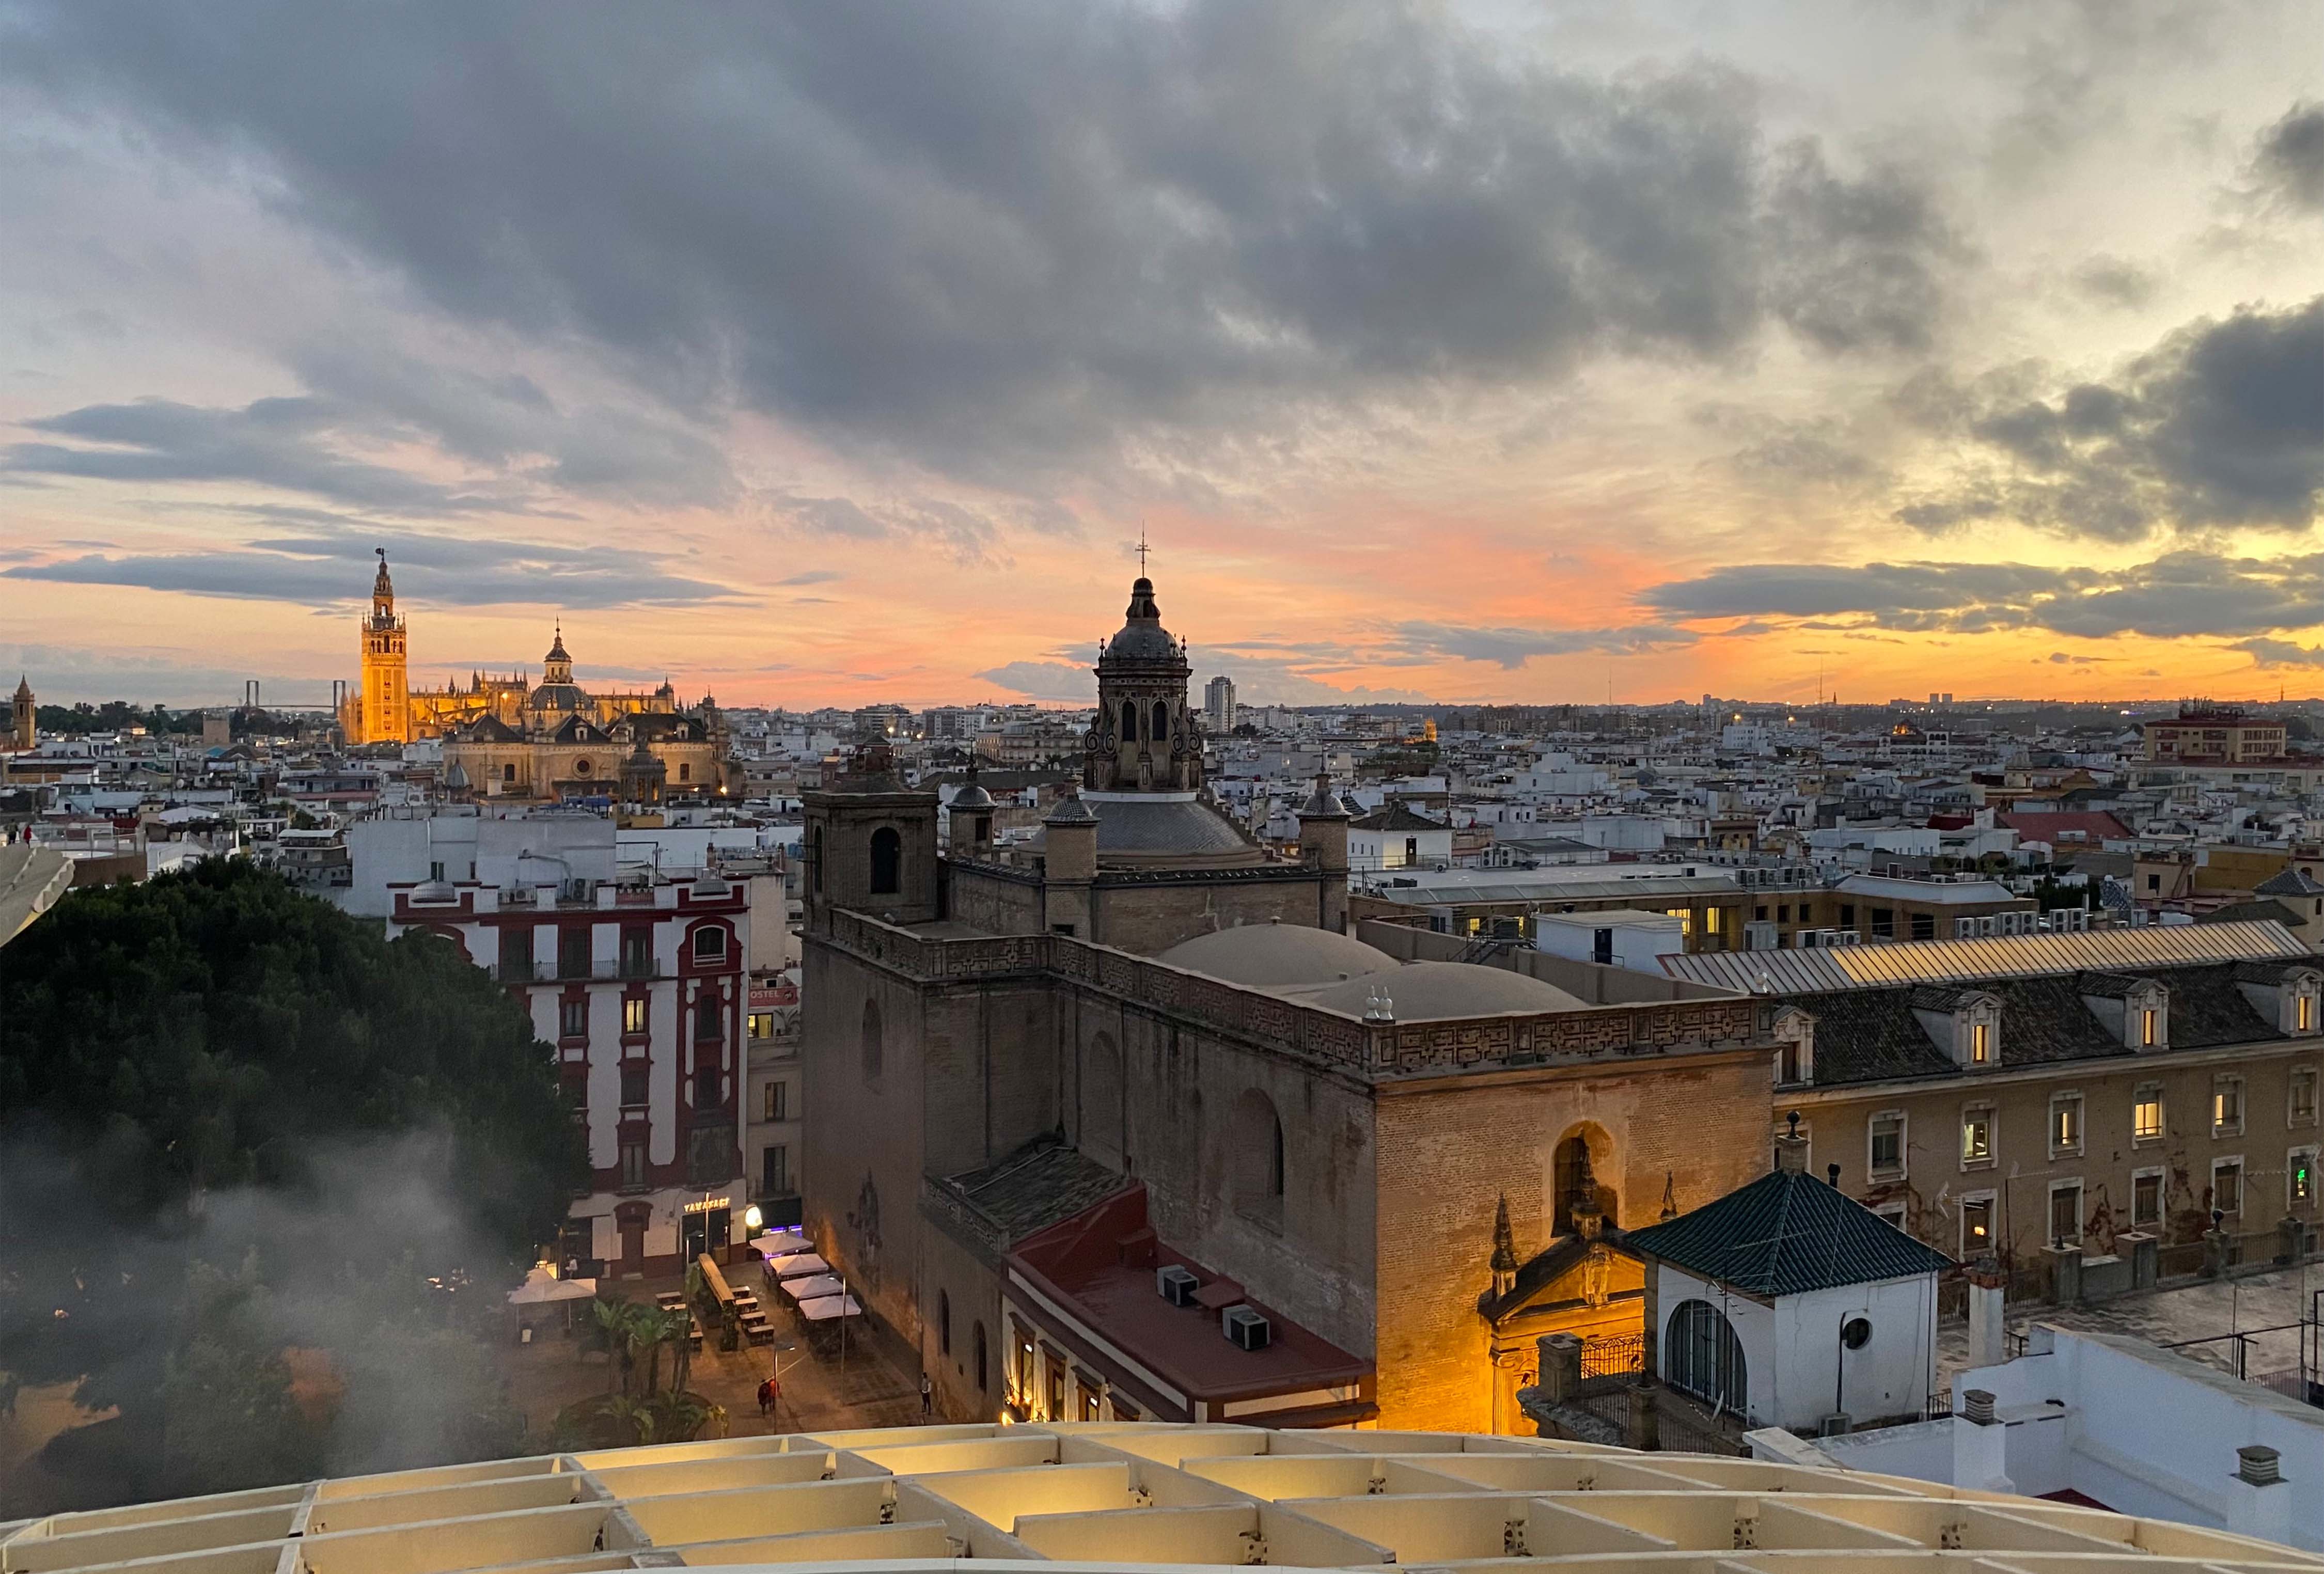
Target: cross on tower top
1142, 550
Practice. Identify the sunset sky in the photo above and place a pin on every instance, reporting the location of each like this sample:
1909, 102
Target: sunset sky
826, 353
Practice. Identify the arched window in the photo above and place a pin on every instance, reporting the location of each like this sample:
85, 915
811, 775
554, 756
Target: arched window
1575, 1169
1161, 732
1703, 1357
1130, 721
944, 1321
983, 1374
887, 861
1259, 1171
875, 1048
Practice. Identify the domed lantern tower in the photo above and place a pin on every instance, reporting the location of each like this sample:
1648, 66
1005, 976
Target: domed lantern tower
1145, 738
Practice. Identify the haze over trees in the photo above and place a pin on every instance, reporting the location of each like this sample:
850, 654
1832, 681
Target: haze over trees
265, 1176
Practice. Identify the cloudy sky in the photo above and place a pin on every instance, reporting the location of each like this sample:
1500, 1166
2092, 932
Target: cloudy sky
814, 353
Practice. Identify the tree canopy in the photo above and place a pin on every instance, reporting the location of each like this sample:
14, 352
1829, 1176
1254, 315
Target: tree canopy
212, 1068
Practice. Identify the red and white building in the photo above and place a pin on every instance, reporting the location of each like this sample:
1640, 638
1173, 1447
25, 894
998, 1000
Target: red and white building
638, 980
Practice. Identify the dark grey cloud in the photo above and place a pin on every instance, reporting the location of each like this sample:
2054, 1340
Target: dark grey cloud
2177, 595
2289, 163
330, 567
286, 443
364, 399
1856, 264
988, 238
813, 576
2115, 283
965, 534
1511, 648
2279, 653
2221, 424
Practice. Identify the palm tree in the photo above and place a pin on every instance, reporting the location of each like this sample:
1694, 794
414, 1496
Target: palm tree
680, 1331
609, 1329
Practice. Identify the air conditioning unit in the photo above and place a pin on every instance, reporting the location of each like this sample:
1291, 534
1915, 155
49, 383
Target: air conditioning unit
1176, 1283
1836, 1425
1247, 1328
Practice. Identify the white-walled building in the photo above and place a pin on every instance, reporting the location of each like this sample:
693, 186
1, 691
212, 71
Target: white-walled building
1788, 1302
2124, 1424
1623, 937
639, 983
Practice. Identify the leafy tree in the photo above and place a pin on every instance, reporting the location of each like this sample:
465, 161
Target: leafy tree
213, 1067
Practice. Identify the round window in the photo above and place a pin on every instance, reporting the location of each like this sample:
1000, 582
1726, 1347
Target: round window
580, 768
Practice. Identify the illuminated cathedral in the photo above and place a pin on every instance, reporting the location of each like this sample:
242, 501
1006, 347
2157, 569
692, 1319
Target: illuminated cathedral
507, 737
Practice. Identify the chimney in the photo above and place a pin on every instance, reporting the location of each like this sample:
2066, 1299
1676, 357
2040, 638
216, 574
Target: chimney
1831, 1173
1792, 1149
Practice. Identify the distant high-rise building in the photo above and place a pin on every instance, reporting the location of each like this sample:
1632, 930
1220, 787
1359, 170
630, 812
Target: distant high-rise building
1219, 704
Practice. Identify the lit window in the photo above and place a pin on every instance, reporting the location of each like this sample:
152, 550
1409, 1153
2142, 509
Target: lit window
633, 1015
2303, 1013
2146, 1028
2227, 1106
2146, 1113
2066, 1124
2299, 1175
1977, 1137
1980, 1042
1977, 1226
1887, 1145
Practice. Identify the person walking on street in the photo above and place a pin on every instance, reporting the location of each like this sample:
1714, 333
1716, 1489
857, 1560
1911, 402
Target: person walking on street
769, 1392
927, 1399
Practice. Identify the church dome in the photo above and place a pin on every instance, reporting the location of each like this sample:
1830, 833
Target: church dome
1142, 637
1430, 991
1269, 956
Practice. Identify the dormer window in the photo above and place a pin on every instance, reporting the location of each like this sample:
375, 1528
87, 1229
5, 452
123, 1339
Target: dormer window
1980, 1044
2146, 1026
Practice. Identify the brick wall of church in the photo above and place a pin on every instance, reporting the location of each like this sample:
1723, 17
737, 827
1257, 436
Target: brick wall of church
1180, 1091
997, 906
1148, 919
1446, 1153
939, 1104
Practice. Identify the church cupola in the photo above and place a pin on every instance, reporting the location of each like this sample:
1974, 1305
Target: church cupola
1145, 739
557, 667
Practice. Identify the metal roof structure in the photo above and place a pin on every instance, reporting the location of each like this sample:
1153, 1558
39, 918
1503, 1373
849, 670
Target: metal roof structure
1999, 956
31, 879
1483, 888
1124, 1495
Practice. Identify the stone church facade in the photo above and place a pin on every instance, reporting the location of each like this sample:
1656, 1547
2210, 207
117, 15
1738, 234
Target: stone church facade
1330, 1131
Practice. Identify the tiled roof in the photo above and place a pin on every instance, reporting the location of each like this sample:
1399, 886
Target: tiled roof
1034, 1187
1786, 1234
2294, 881
1867, 1036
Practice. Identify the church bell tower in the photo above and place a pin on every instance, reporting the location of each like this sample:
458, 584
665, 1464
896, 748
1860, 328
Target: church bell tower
1144, 738
386, 696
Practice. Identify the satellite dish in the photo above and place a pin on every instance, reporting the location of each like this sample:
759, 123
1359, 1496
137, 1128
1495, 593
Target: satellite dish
1856, 1332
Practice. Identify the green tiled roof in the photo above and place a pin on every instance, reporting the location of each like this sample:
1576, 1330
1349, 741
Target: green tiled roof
1786, 1234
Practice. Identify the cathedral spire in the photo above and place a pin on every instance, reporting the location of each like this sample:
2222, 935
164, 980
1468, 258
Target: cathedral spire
383, 588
